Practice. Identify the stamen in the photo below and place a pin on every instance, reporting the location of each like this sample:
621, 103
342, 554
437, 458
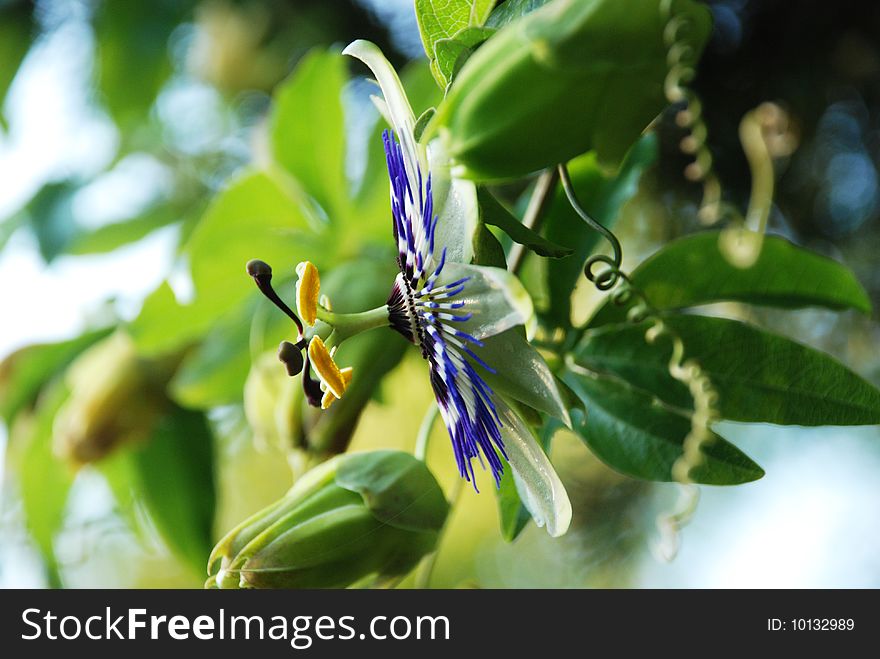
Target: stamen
262, 275
325, 367
308, 288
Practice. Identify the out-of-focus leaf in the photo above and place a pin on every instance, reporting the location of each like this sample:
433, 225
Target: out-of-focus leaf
493, 213
175, 469
443, 19
602, 197
132, 53
511, 10
450, 54
692, 270
259, 215
51, 218
573, 76
118, 234
632, 432
513, 515
45, 481
25, 372
16, 32
307, 129
759, 376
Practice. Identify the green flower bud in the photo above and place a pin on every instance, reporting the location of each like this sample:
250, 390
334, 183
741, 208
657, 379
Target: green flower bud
355, 516
572, 76
116, 398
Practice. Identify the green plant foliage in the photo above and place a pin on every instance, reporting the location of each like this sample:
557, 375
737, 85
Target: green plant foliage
692, 271
494, 214
539, 91
637, 435
446, 19
25, 372
45, 481
759, 376
602, 196
175, 472
451, 54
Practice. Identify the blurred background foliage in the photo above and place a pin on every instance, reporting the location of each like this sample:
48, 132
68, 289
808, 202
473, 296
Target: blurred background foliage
148, 150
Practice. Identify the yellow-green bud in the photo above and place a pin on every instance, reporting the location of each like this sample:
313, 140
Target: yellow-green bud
115, 398
355, 516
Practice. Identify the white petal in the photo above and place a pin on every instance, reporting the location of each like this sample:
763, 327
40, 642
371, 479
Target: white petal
455, 201
537, 483
494, 296
403, 121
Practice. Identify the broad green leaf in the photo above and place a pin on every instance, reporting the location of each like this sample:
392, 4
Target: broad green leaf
759, 376
692, 270
521, 373
26, 371
175, 470
513, 515
635, 434
259, 215
493, 213
443, 19
511, 10
572, 76
451, 54
602, 197
398, 489
307, 129
45, 481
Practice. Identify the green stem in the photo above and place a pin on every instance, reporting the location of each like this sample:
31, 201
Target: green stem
424, 435
347, 325
539, 202
423, 578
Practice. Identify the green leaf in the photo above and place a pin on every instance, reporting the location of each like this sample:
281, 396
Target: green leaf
451, 54
635, 434
45, 481
493, 213
175, 469
603, 197
487, 249
759, 376
570, 77
26, 371
692, 270
511, 10
117, 234
259, 215
398, 489
307, 129
513, 515
443, 19
16, 32
132, 53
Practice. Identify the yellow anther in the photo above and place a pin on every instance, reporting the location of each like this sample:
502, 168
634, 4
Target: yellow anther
325, 367
329, 398
308, 288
